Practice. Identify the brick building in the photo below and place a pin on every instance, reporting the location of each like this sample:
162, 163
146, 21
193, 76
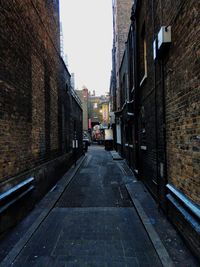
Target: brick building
159, 108
121, 21
36, 100
98, 110
83, 95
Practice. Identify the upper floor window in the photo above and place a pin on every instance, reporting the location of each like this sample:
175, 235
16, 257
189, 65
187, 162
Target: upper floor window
143, 55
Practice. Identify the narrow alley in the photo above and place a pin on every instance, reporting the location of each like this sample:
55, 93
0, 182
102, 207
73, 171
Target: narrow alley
92, 222
99, 133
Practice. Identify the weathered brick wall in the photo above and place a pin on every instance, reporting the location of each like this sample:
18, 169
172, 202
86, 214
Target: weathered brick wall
168, 111
123, 12
21, 99
15, 92
183, 97
83, 95
122, 24
181, 94
148, 104
65, 109
38, 108
53, 115
33, 128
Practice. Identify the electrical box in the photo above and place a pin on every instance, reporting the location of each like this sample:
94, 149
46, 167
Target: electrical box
164, 38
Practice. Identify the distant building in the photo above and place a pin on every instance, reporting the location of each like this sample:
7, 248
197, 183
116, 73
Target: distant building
94, 110
98, 109
83, 95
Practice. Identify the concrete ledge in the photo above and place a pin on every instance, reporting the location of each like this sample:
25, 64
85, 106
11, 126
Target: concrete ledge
185, 218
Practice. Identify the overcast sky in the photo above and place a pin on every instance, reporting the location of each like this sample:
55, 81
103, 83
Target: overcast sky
87, 31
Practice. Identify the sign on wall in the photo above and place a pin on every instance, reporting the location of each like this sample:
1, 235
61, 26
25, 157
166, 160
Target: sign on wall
119, 136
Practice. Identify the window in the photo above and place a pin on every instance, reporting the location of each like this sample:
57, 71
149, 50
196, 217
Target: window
143, 55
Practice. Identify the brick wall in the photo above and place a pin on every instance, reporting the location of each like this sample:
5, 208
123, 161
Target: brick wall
183, 98
167, 111
123, 12
122, 23
83, 95
38, 108
25, 46
32, 77
36, 102
149, 102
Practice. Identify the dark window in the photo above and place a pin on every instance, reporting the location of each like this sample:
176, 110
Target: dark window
129, 134
143, 54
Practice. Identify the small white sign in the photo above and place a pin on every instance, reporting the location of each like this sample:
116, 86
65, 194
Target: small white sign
119, 137
73, 143
108, 134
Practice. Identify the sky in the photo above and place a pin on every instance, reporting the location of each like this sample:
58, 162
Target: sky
87, 38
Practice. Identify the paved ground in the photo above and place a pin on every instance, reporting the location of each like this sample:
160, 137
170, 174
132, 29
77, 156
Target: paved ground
93, 223
99, 183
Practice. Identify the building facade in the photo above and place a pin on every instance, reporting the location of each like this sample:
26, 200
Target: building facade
158, 116
98, 108
83, 95
36, 100
121, 22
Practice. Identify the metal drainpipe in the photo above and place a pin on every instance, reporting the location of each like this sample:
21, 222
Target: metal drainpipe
163, 107
156, 114
135, 66
128, 97
136, 93
164, 122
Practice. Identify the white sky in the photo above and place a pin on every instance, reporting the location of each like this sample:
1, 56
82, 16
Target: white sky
87, 31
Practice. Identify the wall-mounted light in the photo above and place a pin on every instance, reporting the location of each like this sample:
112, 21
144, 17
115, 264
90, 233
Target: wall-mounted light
162, 42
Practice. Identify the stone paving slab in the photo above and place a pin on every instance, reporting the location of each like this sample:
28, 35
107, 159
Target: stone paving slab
99, 183
89, 237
